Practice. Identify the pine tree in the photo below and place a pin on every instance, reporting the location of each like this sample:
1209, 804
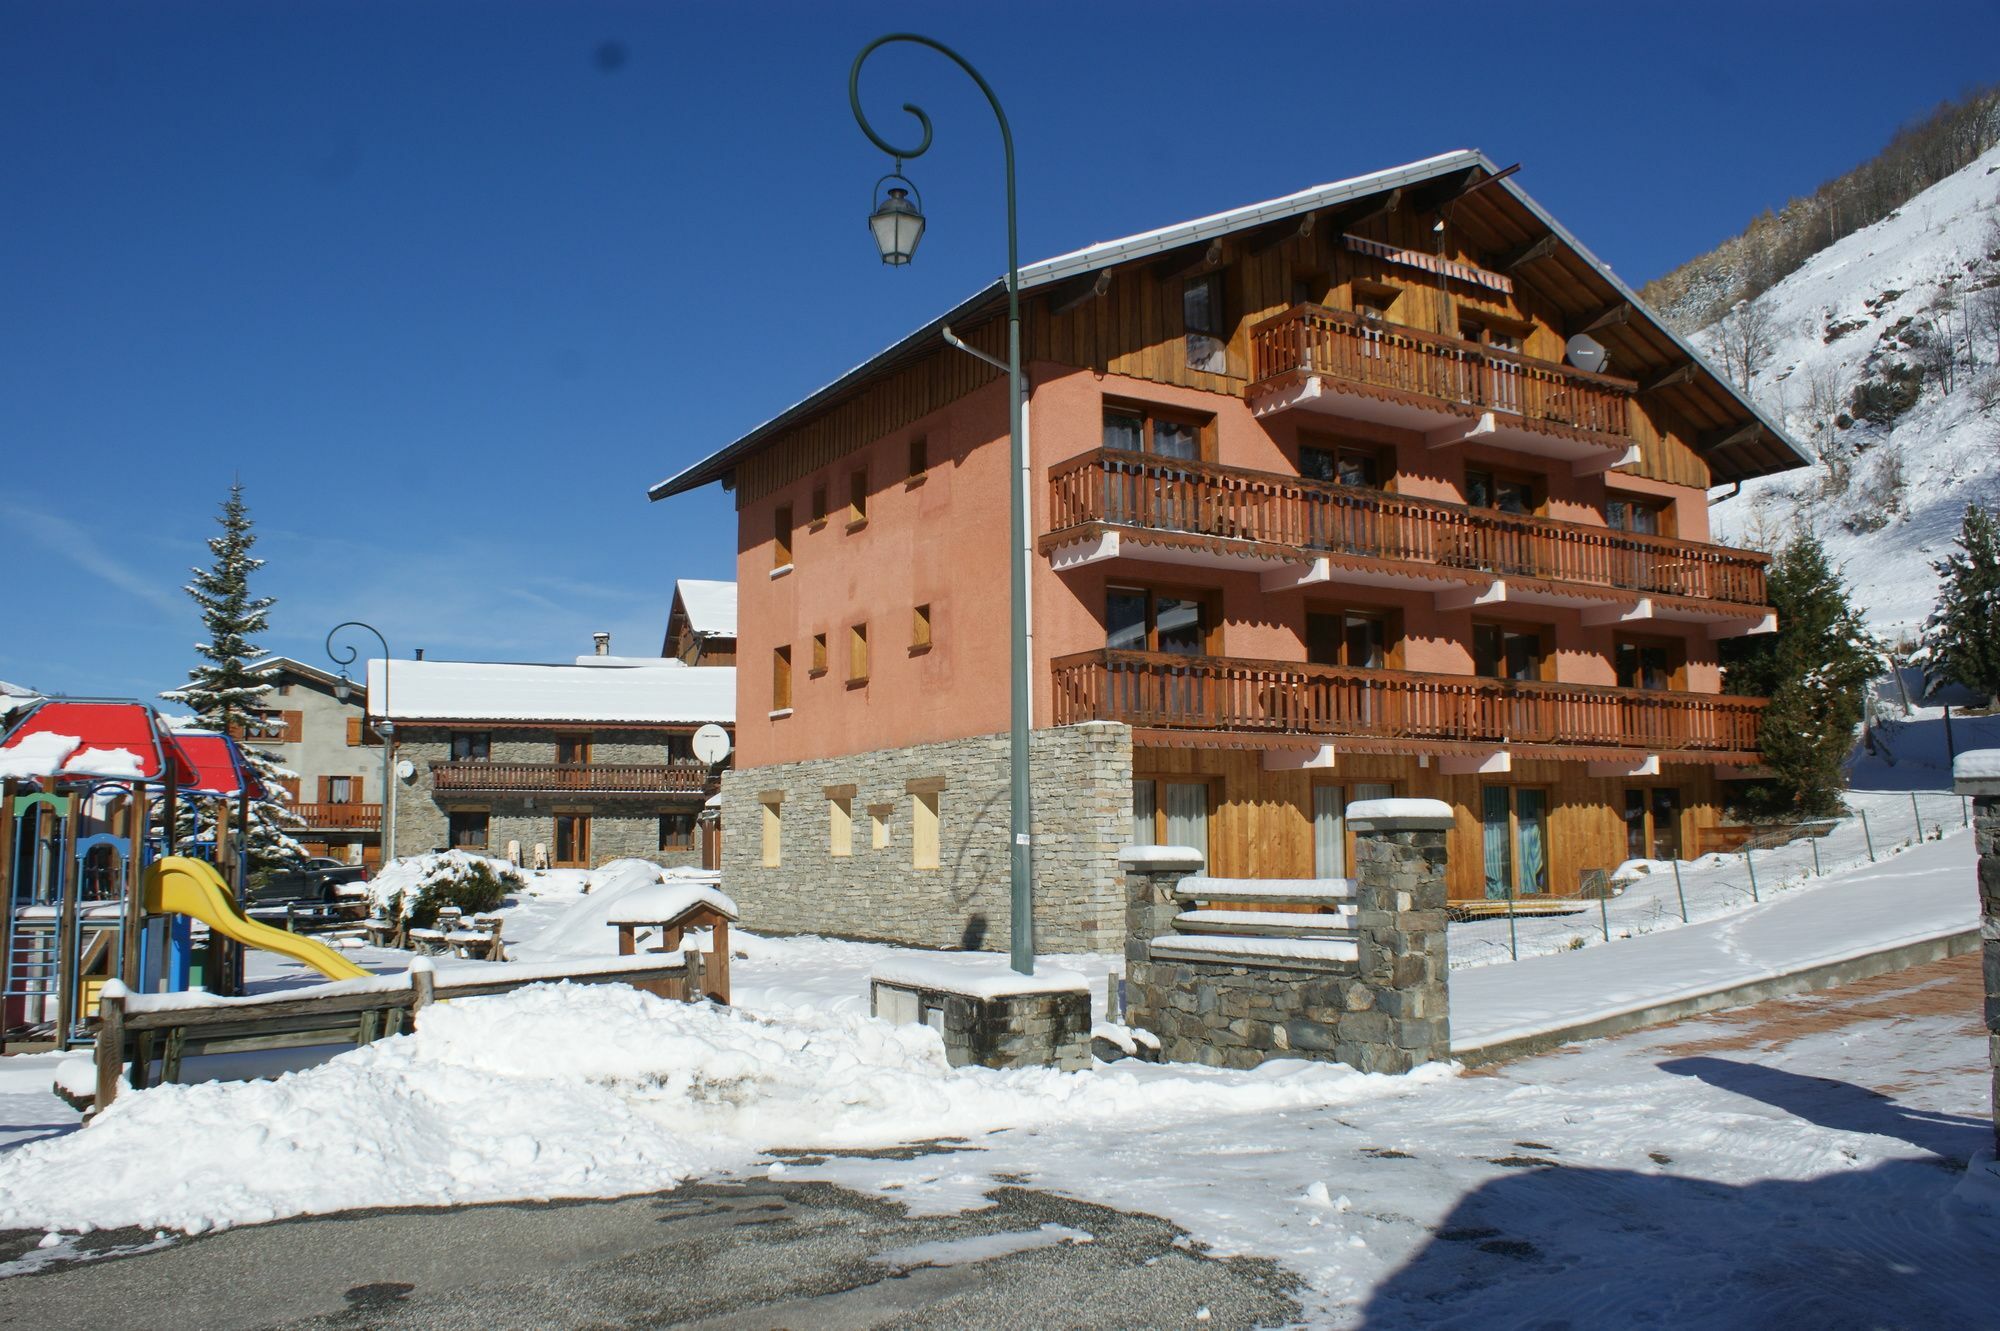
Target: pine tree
224, 694
1962, 635
1815, 670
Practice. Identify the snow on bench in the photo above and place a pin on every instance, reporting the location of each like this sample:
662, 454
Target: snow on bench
1225, 950
1267, 923
1266, 891
973, 974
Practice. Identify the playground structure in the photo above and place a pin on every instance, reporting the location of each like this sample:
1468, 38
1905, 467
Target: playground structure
92, 889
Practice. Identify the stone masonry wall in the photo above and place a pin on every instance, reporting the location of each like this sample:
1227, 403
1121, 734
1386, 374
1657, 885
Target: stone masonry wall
1081, 785
1388, 1011
1970, 771
621, 826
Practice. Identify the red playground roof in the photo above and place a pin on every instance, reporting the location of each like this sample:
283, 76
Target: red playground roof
218, 764
94, 739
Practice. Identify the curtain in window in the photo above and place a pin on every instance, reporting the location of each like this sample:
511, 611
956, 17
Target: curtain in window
1145, 804
1187, 815
1531, 806
1329, 832
1493, 829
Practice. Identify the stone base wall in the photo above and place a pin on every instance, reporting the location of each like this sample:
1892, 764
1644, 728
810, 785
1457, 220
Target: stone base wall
1009, 1031
1237, 1016
1081, 786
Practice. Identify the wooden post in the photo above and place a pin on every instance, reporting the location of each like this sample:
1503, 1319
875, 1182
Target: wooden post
719, 945
423, 985
7, 791
110, 1052
628, 939
69, 985
135, 896
696, 977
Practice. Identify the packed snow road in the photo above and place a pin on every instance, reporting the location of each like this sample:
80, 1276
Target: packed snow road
1793, 1164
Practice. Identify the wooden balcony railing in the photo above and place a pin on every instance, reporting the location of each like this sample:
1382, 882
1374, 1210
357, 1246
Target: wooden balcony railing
342, 817
591, 778
1158, 690
1120, 488
1412, 364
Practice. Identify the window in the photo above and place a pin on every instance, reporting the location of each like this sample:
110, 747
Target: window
1499, 652
920, 629
781, 537
1653, 824
676, 832
359, 734
920, 457
1342, 465
342, 789
573, 750
878, 824
680, 748
781, 679
1514, 839
819, 657
1643, 664
924, 829
773, 833
1145, 430
466, 828
857, 654
1138, 619
840, 822
1330, 841
270, 727
1645, 517
857, 498
1508, 494
573, 841
1202, 319
1358, 640
818, 509
1170, 813
470, 745
1309, 287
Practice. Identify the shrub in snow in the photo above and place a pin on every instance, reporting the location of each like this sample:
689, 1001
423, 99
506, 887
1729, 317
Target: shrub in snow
412, 891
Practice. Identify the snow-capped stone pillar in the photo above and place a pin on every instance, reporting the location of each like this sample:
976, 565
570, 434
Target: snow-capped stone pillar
1977, 774
1150, 907
1399, 888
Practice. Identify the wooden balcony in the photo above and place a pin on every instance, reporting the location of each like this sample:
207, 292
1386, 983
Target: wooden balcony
1396, 711
1232, 514
1319, 359
341, 817
680, 778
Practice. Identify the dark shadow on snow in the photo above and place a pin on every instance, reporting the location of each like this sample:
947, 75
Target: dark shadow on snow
1841, 1105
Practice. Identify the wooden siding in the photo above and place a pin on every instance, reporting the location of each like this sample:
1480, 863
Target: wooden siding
1260, 821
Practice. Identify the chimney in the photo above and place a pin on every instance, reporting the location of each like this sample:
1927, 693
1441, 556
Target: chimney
602, 641
420, 653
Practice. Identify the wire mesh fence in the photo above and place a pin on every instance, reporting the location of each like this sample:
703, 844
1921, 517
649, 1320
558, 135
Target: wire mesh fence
1670, 894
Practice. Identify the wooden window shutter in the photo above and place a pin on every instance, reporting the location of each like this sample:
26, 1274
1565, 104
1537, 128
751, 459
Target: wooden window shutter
353, 732
295, 724
325, 789
356, 783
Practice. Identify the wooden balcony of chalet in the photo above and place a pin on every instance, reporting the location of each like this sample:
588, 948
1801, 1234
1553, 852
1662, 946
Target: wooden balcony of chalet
1312, 358
328, 817
485, 777
1395, 711
1110, 502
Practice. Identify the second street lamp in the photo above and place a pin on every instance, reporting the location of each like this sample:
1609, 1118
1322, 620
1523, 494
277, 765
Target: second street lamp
898, 225
387, 729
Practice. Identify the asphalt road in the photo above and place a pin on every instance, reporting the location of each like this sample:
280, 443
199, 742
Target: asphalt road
751, 1255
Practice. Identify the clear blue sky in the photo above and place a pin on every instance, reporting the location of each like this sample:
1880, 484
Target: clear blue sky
449, 284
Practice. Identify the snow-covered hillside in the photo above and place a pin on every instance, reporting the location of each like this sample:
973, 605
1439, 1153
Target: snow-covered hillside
1888, 497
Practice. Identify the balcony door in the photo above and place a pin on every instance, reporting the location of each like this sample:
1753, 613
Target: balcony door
572, 841
1147, 490
573, 750
1171, 621
1653, 824
1170, 813
1514, 837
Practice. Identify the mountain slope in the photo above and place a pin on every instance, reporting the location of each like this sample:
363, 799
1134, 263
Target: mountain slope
1876, 309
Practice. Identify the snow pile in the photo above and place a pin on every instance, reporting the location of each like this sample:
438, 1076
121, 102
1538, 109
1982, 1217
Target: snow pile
403, 886
568, 912
575, 1091
1851, 311
653, 903
974, 974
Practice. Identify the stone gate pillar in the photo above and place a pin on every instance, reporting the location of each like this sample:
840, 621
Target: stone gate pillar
1150, 907
1977, 774
1400, 920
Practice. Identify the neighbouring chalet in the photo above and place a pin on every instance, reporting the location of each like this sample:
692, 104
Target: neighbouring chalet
701, 626
1323, 508
317, 730
561, 765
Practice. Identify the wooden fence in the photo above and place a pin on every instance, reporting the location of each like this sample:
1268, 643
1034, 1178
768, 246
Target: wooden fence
1119, 488
1163, 690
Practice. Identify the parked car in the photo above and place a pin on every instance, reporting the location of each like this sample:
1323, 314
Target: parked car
307, 894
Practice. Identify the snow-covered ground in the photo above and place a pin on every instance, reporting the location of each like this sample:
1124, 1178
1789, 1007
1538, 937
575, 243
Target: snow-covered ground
1829, 321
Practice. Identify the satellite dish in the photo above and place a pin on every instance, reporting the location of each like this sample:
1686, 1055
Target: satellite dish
406, 769
1587, 353
711, 744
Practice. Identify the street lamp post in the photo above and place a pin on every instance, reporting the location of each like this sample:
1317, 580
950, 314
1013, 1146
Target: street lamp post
387, 728
898, 224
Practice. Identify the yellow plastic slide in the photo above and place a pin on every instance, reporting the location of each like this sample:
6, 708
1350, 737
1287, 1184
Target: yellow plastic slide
177, 885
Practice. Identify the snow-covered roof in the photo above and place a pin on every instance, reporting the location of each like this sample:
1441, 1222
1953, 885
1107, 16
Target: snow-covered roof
504, 691
631, 662
265, 665
710, 606
1110, 253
